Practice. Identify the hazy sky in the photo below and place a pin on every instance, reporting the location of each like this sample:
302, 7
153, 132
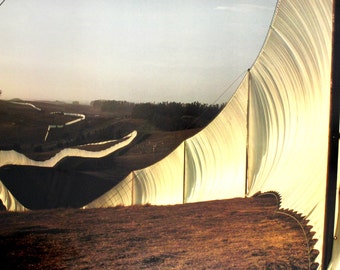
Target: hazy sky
134, 50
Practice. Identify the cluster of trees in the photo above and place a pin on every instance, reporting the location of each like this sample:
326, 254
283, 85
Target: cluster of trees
168, 116
176, 116
114, 106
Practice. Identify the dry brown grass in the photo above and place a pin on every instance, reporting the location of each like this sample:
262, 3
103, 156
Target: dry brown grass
226, 234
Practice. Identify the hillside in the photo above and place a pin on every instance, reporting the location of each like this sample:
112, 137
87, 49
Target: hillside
227, 234
23, 129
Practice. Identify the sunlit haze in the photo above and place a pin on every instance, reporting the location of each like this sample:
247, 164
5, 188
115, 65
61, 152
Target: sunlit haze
140, 51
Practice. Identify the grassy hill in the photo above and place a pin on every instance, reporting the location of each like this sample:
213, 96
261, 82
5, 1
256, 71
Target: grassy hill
75, 181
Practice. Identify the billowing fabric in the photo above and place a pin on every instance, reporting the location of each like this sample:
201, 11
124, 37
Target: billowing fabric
9, 201
216, 156
289, 104
121, 194
161, 183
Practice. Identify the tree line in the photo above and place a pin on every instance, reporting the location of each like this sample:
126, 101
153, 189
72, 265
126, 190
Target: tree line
167, 116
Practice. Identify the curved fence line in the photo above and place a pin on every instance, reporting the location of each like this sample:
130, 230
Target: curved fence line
26, 104
81, 117
12, 157
97, 143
